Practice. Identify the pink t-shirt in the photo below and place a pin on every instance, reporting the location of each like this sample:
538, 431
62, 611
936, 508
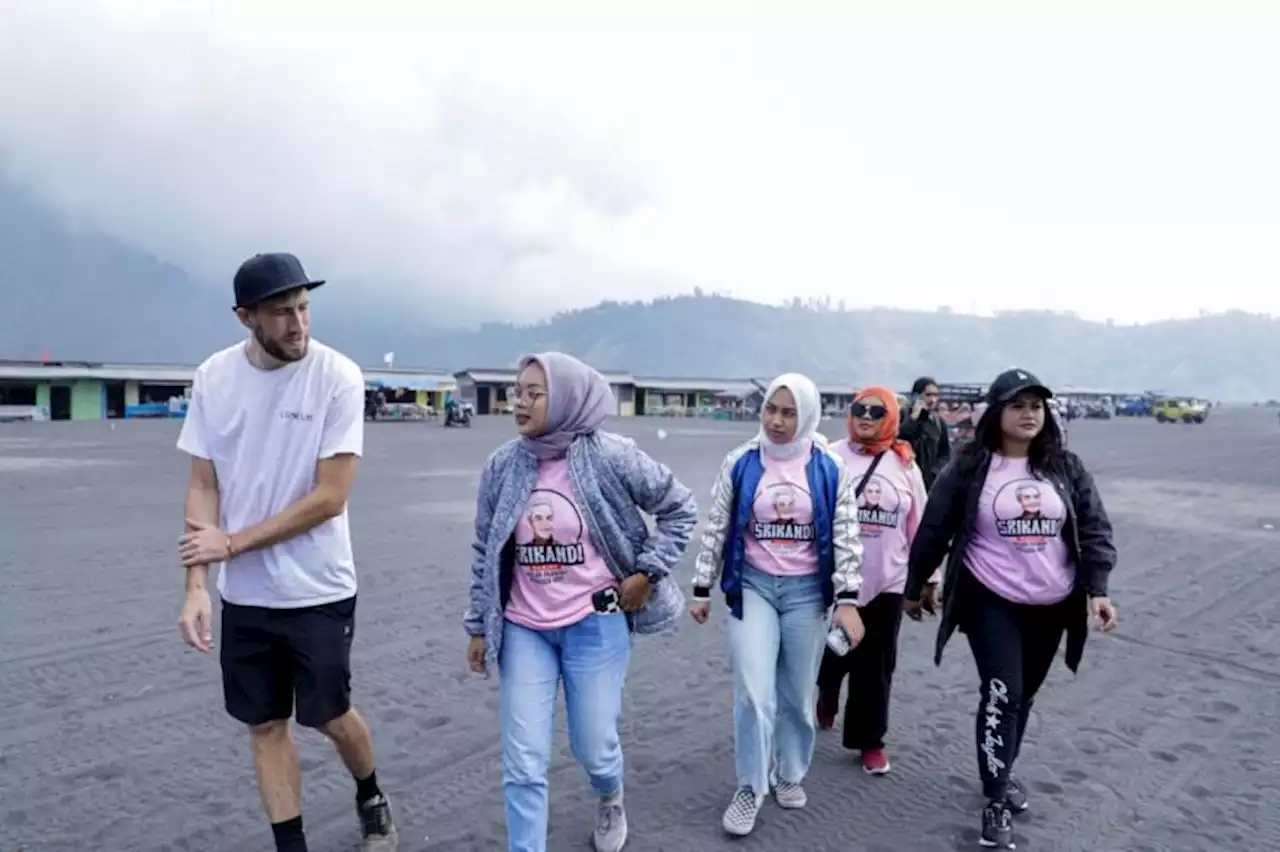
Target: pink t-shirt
889, 512
780, 537
1016, 549
557, 567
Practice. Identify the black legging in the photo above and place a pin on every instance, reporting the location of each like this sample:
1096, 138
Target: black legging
870, 670
1014, 646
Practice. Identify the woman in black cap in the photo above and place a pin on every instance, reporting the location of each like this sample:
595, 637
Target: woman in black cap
1030, 554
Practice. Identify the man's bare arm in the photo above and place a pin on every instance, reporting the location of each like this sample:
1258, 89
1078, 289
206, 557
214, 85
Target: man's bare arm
327, 500
203, 505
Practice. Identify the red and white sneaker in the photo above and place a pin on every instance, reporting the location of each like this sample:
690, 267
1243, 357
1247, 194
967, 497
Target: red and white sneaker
875, 761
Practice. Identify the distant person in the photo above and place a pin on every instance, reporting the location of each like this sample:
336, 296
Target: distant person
1021, 572
780, 569
1055, 411
880, 463
925, 430
274, 430
564, 568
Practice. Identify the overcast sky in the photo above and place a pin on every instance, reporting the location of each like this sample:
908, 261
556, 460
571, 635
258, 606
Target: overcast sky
1121, 159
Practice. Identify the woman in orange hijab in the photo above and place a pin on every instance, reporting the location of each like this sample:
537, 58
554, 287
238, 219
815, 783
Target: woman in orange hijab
891, 498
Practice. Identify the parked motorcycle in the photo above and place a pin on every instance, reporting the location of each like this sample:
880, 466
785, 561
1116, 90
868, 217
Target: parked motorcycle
458, 415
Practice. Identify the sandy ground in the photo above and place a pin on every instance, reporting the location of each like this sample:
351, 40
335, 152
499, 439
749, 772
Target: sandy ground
112, 735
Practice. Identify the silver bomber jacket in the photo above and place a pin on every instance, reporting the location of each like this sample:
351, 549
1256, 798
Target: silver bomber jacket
844, 525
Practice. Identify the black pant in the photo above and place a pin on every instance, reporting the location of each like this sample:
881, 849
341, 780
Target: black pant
870, 669
1014, 646
271, 656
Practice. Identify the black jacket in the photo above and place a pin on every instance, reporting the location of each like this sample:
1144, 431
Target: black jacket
929, 439
948, 522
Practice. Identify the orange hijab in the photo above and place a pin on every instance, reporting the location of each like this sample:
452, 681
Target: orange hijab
887, 438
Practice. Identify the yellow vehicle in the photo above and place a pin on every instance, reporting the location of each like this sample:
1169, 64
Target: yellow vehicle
1181, 411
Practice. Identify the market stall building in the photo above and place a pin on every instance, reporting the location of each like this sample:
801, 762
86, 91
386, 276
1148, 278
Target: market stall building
425, 389
84, 390
669, 396
490, 389
835, 400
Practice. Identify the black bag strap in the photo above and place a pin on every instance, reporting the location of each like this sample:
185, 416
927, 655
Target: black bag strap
857, 492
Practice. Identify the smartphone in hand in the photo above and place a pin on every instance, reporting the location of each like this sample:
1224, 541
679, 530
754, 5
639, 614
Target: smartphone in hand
607, 600
838, 641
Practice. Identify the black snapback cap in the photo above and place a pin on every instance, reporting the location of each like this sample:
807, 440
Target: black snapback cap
265, 275
1010, 383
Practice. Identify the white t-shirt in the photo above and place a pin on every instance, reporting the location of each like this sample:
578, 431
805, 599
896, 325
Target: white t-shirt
264, 431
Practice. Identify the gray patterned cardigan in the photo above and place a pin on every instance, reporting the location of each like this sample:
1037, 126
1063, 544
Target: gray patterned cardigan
613, 482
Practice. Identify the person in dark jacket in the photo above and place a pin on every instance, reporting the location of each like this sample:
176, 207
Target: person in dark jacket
924, 430
1014, 584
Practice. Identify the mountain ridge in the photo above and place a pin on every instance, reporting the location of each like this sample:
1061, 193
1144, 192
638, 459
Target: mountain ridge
83, 294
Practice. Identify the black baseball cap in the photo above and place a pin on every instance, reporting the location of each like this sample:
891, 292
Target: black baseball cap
1010, 383
265, 275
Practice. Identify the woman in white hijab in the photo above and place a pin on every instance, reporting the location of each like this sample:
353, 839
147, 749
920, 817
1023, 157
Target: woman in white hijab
782, 538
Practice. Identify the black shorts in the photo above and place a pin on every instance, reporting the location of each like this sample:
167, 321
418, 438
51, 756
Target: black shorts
271, 655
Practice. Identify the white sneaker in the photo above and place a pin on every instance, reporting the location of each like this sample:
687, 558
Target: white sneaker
740, 816
790, 796
611, 825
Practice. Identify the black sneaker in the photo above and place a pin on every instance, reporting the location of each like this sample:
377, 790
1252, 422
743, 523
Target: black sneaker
377, 830
997, 826
1016, 796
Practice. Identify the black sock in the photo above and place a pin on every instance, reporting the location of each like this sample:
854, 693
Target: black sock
289, 836
367, 788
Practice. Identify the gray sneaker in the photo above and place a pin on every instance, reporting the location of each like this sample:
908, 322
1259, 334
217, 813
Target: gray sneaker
740, 816
611, 825
1016, 796
376, 827
790, 795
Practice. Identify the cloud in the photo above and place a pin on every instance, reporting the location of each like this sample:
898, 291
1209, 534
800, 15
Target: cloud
204, 146
1116, 159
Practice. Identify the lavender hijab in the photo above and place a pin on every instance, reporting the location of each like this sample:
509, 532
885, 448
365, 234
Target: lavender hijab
578, 401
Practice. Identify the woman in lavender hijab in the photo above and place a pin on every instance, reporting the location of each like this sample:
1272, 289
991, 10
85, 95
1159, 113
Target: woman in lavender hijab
564, 569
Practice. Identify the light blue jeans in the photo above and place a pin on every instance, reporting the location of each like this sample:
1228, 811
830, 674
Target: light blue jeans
591, 657
776, 649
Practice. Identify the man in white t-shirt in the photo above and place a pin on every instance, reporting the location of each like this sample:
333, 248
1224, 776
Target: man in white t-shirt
274, 430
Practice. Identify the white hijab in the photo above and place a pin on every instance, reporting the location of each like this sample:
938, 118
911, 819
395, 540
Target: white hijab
808, 415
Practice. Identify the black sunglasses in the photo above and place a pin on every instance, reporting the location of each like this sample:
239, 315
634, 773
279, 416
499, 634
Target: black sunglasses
870, 412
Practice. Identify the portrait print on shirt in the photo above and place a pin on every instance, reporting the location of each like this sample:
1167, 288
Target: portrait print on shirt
879, 507
1028, 513
782, 518
549, 538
